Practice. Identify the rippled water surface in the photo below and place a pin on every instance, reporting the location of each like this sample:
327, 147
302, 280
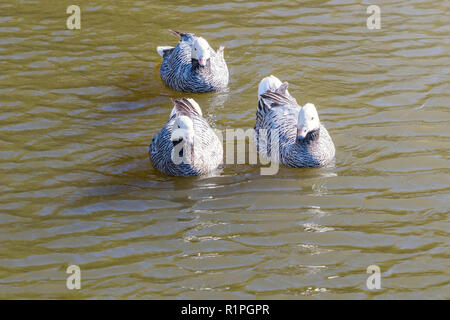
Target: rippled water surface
80, 107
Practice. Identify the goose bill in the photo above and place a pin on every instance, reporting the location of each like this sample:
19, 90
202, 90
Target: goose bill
301, 134
190, 141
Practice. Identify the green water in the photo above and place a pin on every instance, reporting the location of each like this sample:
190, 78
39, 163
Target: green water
80, 107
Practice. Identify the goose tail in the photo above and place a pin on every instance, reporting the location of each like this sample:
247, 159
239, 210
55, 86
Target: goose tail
163, 49
271, 83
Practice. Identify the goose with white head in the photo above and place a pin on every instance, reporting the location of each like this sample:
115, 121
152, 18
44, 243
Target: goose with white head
193, 66
302, 141
186, 145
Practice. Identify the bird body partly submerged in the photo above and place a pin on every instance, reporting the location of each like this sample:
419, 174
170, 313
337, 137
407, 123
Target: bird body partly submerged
281, 132
193, 66
186, 145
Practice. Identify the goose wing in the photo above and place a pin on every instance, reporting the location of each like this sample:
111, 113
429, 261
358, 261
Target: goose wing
274, 98
181, 54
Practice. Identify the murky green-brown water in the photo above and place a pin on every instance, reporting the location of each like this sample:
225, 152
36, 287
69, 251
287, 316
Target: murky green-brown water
79, 108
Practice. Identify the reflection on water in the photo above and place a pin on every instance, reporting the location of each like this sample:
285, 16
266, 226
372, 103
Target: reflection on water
79, 109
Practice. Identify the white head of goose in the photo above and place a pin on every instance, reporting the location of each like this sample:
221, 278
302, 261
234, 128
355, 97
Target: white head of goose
308, 121
183, 130
200, 52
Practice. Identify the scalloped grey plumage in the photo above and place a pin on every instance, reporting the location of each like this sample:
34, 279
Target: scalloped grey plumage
277, 113
179, 73
206, 155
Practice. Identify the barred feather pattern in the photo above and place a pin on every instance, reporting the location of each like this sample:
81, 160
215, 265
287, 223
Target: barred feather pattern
179, 73
204, 157
277, 114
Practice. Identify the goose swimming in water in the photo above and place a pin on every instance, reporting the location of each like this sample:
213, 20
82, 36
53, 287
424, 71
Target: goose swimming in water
193, 66
186, 145
302, 140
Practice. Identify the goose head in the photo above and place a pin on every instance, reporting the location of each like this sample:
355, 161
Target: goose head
200, 51
183, 130
308, 121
